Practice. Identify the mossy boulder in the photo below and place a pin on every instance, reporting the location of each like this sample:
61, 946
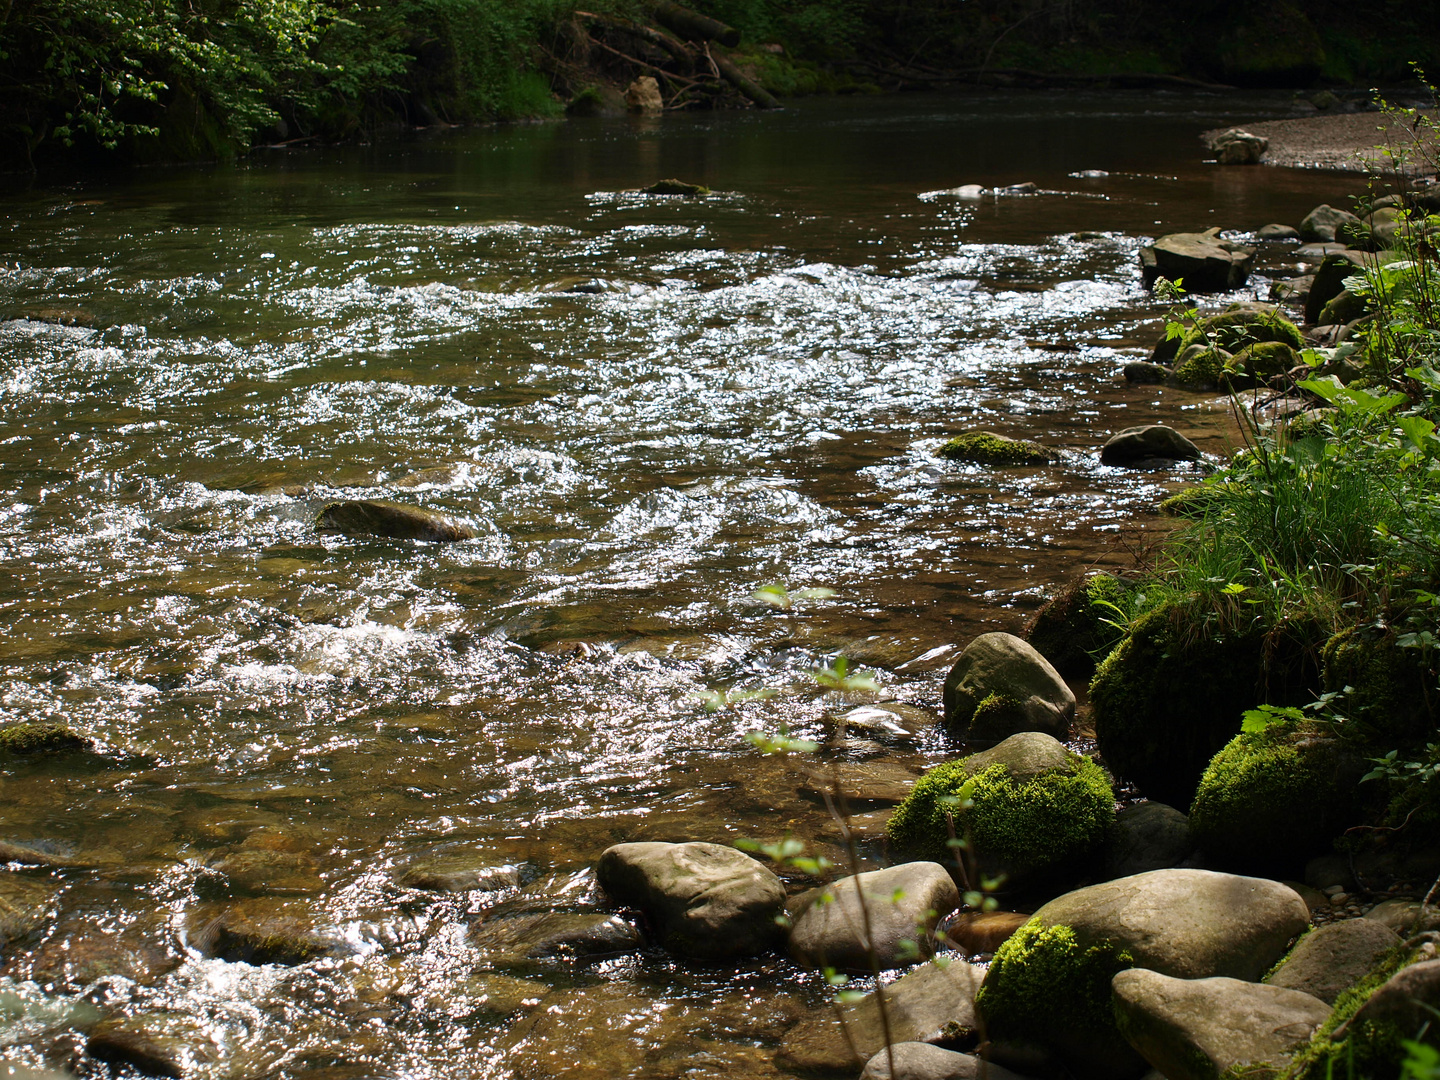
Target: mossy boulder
1343, 308
1172, 693
987, 448
1081, 623
1231, 330
1035, 810
1047, 985
1050, 982
1385, 687
1001, 685
1259, 362
26, 740
1271, 800
675, 187
1350, 1044
1199, 367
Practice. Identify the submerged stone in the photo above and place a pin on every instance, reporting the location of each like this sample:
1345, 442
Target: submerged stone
170, 1044
675, 187
513, 942
987, 448
374, 517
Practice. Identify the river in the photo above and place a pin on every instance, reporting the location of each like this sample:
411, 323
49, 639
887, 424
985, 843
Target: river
649, 408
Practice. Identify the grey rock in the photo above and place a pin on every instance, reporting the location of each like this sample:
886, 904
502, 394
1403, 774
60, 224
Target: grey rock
930, 1004
1384, 228
1203, 261
1190, 924
516, 941
1025, 756
1292, 290
705, 900
1408, 1000
375, 517
902, 905
1000, 685
924, 1061
1316, 252
169, 1044
1325, 222
1147, 442
1405, 917
1196, 1029
1343, 308
1333, 958
1277, 232
1147, 836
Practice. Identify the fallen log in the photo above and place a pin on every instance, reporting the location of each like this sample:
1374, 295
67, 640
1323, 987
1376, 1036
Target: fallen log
747, 86
692, 26
682, 54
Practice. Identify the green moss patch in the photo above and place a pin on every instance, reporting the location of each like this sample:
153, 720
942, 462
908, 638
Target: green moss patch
1201, 369
1028, 825
1045, 983
1270, 800
987, 448
30, 739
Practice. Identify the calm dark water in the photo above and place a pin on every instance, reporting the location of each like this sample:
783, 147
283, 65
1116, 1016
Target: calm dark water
749, 391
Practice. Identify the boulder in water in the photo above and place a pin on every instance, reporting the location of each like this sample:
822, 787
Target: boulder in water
675, 187
1330, 959
376, 517
1001, 685
1203, 261
643, 96
1147, 442
705, 900
901, 905
1235, 146
1325, 223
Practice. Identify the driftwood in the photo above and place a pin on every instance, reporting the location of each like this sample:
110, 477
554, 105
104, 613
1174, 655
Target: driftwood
747, 86
696, 74
692, 26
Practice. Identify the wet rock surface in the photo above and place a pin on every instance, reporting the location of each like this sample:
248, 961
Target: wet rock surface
263, 931
1001, 685
1196, 1029
705, 900
168, 1044
1331, 959
930, 1004
922, 1061
516, 940
890, 914
1145, 443
375, 517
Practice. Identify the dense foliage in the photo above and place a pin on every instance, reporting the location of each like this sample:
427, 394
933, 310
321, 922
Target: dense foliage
162, 79
204, 78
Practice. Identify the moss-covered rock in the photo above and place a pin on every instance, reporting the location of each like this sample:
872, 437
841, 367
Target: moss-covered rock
987, 448
675, 187
1367, 1048
1172, 693
1044, 982
1193, 502
1270, 800
1258, 362
1081, 624
32, 739
1199, 367
1033, 808
1232, 330
1385, 687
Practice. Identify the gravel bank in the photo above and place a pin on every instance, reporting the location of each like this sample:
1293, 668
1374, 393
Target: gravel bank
1350, 142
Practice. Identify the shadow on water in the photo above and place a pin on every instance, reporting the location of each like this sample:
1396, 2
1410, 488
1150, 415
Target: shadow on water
647, 408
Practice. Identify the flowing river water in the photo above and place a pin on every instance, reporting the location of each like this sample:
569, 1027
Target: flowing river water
648, 407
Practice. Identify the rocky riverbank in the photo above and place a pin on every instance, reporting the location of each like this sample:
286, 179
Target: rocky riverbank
1348, 142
